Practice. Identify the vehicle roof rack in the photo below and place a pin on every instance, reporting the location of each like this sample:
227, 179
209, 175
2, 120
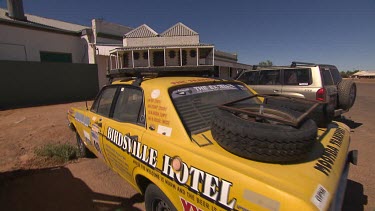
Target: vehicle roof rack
295, 64
153, 72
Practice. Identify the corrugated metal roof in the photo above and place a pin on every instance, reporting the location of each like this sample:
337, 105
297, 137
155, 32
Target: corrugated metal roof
141, 31
364, 73
38, 21
178, 29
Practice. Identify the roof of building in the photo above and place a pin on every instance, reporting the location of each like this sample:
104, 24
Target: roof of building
145, 31
364, 73
178, 29
141, 31
44, 23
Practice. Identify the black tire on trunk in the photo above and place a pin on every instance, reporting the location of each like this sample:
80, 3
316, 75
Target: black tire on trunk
263, 141
156, 200
322, 115
347, 92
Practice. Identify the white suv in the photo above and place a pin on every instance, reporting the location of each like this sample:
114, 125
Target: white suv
304, 80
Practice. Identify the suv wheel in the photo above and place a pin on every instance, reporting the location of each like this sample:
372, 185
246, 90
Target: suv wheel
347, 92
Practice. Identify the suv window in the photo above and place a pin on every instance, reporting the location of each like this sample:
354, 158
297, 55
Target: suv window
250, 77
102, 104
335, 75
326, 77
269, 77
129, 107
297, 77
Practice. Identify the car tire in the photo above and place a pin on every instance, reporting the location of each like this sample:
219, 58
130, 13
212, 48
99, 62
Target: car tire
323, 114
347, 92
263, 141
155, 199
83, 151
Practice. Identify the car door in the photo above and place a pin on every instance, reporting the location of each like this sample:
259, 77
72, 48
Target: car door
124, 130
269, 82
99, 113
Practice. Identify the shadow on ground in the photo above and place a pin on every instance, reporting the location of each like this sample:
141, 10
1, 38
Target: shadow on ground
354, 197
55, 189
350, 123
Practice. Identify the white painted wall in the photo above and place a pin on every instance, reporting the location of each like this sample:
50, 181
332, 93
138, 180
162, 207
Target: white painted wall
102, 62
35, 41
141, 62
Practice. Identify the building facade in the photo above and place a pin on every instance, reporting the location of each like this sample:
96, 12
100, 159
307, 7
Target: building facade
25, 37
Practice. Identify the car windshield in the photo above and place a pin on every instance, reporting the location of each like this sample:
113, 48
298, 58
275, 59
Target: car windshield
195, 104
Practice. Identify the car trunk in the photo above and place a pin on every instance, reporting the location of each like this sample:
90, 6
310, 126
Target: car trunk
322, 167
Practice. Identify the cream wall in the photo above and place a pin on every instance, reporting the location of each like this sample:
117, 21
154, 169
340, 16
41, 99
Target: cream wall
35, 41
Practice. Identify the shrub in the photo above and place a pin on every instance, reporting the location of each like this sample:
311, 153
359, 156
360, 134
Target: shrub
63, 152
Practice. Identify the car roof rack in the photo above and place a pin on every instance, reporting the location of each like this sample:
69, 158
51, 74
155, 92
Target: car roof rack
295, 64
154, 72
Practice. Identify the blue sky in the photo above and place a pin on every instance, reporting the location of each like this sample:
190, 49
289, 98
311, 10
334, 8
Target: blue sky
340, 32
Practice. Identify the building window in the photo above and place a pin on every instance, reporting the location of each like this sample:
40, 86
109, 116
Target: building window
172, 54
193, 53
136, 55
55, 57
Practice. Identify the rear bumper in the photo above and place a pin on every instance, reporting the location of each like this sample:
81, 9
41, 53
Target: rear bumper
340, 193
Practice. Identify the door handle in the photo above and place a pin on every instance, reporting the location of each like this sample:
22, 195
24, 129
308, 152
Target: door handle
276, 90
99, 123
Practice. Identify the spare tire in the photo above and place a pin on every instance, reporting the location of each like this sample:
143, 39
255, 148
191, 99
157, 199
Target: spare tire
263, 141
323, 114
347, 92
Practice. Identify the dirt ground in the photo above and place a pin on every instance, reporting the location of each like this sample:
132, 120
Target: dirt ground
31, 183
25, 129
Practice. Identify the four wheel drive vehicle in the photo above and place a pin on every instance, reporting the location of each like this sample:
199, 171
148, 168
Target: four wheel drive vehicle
193, 143
304, 80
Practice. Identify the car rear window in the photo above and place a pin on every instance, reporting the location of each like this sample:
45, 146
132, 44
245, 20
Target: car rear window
335, 75
195, 104
326, 76
301, 77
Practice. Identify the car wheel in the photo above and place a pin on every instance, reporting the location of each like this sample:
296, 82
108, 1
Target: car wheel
156, 200
347, 92
264, 141
83, 151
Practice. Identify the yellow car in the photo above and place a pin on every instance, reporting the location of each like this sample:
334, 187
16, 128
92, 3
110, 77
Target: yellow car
195, 143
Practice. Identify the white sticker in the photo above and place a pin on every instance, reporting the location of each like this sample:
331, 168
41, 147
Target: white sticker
122, 89
87, 137
167, 131
320, 197
155, 93
303, 84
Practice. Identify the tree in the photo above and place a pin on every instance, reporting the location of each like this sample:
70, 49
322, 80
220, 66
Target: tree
348, 73
265, 63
